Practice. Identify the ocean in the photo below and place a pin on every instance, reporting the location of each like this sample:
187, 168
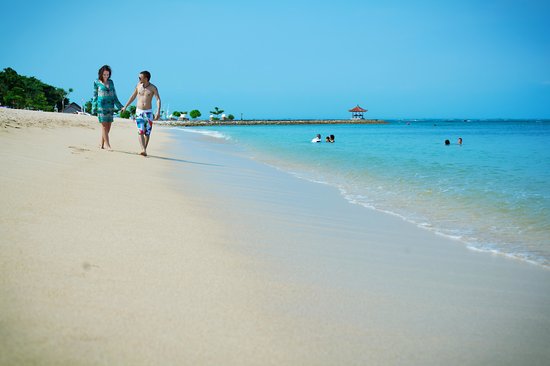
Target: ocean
491, 193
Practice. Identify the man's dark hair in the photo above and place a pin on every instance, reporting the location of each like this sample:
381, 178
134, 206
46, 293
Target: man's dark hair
100, 72
147, 74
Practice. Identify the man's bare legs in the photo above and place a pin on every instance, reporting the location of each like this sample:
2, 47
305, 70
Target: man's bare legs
105, 129
143, 141
147, 140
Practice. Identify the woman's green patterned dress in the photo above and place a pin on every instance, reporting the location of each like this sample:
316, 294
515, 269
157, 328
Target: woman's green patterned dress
105, 101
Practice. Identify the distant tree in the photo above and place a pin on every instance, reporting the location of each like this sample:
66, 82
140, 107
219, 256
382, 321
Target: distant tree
34, 97
195, 113
88, 107
231, 117
18, 91
15, 97
53, 95
132, 110
64, 98
126, 114
176, 114
11, 88
216, 112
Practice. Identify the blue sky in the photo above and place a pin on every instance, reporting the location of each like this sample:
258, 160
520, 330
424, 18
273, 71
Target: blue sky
296, 59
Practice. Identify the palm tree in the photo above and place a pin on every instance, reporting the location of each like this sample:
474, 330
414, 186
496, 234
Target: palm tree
65, 95
217, 111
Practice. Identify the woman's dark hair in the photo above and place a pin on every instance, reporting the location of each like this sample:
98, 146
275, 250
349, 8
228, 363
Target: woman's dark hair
104, 68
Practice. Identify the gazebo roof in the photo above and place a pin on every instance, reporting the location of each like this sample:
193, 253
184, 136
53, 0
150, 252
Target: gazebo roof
358, 109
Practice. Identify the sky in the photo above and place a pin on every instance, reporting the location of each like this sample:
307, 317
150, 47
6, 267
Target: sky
295, 58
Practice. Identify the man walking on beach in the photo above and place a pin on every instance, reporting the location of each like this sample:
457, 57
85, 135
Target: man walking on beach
144, 112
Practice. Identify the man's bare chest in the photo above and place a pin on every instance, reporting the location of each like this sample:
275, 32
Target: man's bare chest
145, 92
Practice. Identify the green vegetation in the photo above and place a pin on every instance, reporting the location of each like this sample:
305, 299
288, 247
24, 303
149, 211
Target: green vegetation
231, 117
126, 114
22, 92
216, 112
65, 95
176, 114
195, 113
88, 107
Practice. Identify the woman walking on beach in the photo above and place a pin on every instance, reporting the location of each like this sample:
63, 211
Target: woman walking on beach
104, 103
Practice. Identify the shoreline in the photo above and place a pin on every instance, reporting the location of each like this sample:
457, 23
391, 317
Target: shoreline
319, 240
279, 156
274, 122
112, 258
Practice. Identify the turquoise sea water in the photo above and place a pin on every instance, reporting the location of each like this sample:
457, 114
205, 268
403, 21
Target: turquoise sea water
492, 193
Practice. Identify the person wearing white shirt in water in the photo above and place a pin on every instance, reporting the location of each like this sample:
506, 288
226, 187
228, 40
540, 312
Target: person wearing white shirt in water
317, 138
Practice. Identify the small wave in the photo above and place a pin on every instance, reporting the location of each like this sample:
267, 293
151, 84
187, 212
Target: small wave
524, 257
215, 134
470, 243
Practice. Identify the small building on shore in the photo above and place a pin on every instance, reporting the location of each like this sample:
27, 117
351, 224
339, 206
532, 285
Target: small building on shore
72, 108
357, 112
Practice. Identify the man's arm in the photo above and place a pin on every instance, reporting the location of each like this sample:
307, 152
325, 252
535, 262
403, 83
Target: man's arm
158, 104
134, 95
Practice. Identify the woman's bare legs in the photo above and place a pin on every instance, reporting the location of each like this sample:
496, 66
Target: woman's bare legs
105, 128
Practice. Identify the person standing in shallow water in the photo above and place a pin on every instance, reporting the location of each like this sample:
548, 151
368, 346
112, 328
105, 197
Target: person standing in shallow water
104, 102
317, 138
145, 91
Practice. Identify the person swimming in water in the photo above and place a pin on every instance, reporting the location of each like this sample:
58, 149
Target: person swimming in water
317, 138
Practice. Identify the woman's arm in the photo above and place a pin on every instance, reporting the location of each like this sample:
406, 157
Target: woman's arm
117, 102
94, 99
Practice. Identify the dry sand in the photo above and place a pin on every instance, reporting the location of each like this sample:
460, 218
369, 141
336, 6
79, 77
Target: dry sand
110, 258
102, 263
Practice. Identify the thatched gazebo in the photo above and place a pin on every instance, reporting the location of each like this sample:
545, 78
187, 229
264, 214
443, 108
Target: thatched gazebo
357, 112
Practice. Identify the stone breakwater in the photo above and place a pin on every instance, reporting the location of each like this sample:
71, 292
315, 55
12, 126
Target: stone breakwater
273, 122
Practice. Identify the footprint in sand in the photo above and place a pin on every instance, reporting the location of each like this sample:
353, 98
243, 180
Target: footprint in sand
77, 149
87, 266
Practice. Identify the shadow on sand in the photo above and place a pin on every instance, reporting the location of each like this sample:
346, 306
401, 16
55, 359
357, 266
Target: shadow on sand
165, 158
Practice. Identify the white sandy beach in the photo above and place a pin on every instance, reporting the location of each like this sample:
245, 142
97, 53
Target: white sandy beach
197, 256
